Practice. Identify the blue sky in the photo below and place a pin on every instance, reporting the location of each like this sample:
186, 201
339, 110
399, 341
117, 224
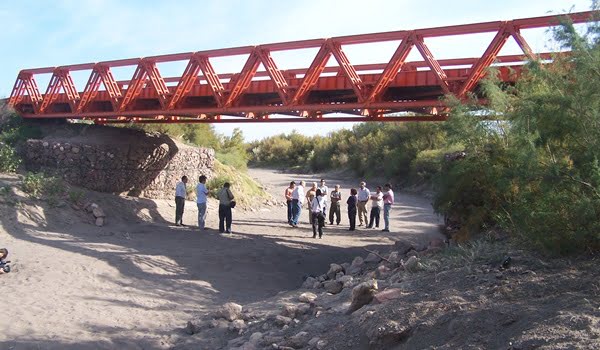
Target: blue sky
61, 32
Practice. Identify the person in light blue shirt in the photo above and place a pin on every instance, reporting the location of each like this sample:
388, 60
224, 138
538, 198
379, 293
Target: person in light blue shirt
180, 194
201, 193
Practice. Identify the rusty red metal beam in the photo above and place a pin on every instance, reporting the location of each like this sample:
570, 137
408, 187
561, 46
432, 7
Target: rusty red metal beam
370, 90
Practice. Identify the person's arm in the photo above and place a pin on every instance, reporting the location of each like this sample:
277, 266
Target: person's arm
230, 194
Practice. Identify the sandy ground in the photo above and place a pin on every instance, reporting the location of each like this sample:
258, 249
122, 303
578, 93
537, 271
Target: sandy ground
133, 283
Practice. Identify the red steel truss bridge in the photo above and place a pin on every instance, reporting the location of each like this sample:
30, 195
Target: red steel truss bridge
394, 91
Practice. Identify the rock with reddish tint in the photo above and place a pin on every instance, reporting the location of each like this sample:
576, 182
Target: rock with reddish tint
387, 295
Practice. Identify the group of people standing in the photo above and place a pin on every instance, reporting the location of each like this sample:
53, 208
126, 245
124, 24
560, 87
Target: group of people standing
317, 199
225, 197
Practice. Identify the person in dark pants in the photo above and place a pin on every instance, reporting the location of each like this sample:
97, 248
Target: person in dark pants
225, 198
288, 199
352, 200
376, 207
180, 194
317, 209
335, 210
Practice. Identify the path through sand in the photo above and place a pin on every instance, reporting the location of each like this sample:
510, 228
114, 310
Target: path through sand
135, 282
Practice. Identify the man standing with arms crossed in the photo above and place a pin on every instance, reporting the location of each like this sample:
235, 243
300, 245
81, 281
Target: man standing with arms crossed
336, 201
180, 194
363, 198
388, 200
201, 193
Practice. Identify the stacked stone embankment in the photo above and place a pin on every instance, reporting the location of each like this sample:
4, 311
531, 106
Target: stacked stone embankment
118, 160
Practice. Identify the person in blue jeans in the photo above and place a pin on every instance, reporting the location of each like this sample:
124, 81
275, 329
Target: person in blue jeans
388, 200
297, 202
288, 199
201, 193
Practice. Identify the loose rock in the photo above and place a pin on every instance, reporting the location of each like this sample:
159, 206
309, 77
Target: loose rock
333, 287
402, 246
282, 320
412, 264
237, 326
299, 340
230, 311
289, 310
307, 297
362, 295
309, 282
372, 258
333, 270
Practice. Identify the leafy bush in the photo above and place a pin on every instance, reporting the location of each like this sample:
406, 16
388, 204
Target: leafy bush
9, 160
39, 185
76, 195
534, 172
33, 184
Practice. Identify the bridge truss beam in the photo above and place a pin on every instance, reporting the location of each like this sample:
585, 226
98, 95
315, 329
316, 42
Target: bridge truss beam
394, 91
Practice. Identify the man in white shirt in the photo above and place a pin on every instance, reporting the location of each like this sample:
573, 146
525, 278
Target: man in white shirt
297, 202
324, 192
317, 210
180, 194
201, 199
376, 208
361, 205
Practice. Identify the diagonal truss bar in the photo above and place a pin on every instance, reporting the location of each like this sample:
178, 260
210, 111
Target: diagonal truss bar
357, 84
312, 74
212, 79
18, 91
69, 88
433, 64
276, 75
189, 77
491, 53
392, 68
156, 80
516, 34
90, 91
242, 81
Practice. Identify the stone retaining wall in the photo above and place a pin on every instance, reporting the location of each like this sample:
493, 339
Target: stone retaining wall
120, 161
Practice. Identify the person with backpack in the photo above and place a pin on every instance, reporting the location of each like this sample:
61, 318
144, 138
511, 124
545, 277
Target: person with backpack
226, 202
